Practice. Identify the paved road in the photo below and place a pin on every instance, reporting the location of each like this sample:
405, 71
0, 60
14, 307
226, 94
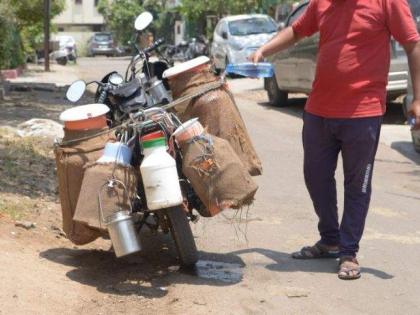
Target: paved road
245, 266
282, 221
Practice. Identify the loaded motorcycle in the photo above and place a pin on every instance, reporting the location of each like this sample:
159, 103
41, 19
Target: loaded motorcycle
138, 116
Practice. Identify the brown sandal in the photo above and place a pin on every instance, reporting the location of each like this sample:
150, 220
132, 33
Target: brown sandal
349, 268
316, 251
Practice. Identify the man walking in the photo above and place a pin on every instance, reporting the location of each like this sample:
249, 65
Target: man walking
345, 109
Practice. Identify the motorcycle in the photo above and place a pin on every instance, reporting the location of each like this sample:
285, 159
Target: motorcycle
68, 44
60, 56
177, 53
198, 47
137, 113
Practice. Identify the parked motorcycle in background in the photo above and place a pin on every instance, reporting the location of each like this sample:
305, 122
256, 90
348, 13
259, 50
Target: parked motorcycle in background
187, 50
57, 54
198, 47
176, 53
68, 44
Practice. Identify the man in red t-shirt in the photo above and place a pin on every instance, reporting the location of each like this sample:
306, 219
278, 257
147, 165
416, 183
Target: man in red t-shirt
345, 108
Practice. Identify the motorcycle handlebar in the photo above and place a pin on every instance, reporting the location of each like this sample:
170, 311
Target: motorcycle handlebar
154, 46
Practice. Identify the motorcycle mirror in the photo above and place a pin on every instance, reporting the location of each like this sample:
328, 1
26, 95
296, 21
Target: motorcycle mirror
76, 90
143, 21
116, 79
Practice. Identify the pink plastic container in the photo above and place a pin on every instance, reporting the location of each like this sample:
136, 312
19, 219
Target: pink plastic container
188, 130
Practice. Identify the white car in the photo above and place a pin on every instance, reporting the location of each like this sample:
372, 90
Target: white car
236, 37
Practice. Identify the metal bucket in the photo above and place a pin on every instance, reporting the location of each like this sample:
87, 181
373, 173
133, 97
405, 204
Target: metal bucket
123, 233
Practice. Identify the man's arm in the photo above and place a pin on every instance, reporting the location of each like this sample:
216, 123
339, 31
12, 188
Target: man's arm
413, 54
282, 40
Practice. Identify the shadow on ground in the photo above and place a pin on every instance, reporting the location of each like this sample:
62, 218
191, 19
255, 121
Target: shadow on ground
284, 263
147, 274
20, 106
406, 148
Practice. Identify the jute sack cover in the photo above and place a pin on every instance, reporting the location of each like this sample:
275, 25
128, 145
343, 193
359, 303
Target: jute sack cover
217, 175
218, 113
114, 199
71, 159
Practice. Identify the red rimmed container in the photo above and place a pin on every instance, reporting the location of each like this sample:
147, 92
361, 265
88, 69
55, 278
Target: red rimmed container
85, 117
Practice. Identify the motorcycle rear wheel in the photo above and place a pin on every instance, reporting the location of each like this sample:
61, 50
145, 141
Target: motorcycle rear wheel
182, 235
62, 61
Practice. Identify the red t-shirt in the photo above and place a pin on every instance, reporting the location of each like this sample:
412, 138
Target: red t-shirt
354, 53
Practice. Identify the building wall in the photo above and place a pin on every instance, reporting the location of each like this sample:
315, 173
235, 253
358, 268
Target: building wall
79, 12
79, 19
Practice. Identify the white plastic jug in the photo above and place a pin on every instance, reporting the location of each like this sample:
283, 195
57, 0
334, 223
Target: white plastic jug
160, 176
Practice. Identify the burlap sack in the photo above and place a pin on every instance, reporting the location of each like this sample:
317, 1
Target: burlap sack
217, 175
71, 159
218, 113
114, 199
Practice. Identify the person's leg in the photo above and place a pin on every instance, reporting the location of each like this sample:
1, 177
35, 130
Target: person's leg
360, 138
321, 151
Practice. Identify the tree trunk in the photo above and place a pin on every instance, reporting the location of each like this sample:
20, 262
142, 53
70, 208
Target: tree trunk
2, 89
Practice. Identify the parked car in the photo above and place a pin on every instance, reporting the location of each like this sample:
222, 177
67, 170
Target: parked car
295, 67
101, 44
415, 8
237, 37
415, 134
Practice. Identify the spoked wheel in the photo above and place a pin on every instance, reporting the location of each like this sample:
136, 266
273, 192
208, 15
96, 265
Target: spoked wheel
182, 235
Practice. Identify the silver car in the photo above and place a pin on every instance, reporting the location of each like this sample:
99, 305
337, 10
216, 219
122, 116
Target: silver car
236, 37
415, 8
407, 102
295, 67
101, 44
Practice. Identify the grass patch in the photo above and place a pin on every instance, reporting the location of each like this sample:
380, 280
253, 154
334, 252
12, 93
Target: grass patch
26, 165
16, 207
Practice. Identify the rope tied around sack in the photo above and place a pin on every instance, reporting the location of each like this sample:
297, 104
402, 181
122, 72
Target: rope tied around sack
204, 89
205, 164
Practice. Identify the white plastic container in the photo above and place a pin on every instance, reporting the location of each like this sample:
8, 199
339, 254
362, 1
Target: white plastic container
160, 176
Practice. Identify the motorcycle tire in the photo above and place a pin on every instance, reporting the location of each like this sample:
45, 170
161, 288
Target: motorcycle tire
62, 61
182, 235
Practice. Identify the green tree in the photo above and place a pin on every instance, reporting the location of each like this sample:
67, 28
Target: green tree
29, 16
11, 54
196, 11
21, 25
163, 25
120, 16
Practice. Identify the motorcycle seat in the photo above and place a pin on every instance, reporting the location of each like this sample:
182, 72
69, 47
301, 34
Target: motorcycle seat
127, 89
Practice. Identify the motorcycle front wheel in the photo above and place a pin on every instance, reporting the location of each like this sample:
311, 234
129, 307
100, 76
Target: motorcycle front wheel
182, 235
